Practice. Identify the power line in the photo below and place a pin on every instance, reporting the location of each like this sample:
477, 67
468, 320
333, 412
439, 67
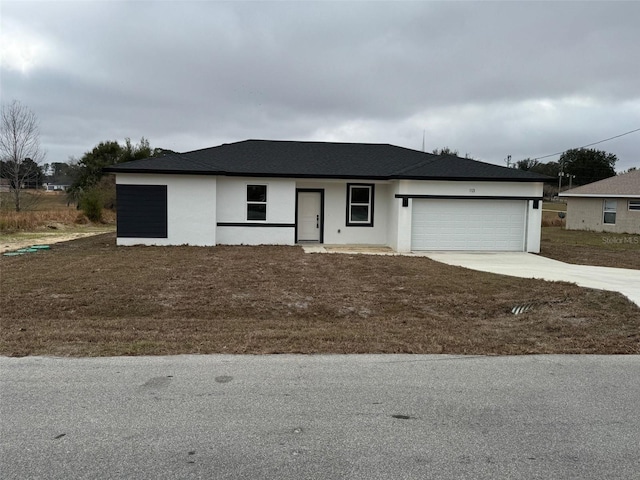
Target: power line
590, 144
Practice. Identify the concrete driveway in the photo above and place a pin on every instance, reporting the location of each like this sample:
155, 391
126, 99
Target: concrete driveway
528, 265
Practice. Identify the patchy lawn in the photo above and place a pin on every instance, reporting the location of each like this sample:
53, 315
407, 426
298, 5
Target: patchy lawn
591, 248
87, 297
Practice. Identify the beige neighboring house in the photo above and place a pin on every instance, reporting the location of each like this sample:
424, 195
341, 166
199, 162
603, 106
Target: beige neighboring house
5, 185
610, 205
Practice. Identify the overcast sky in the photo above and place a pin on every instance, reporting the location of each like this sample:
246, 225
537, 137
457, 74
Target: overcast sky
489, 79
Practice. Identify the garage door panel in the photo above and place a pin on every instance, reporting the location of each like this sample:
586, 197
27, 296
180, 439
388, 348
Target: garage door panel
439, 224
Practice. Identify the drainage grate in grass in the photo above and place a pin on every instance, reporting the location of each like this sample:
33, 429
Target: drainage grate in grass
525, 307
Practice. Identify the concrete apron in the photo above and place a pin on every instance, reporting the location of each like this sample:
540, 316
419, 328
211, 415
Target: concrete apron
515, 264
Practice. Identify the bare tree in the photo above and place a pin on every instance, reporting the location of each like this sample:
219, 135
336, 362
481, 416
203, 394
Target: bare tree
19, 148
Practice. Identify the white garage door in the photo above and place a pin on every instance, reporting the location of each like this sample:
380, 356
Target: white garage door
439, 224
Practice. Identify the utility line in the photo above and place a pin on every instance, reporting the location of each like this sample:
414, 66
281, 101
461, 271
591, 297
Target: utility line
590, 144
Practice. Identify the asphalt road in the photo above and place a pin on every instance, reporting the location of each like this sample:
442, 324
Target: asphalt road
321, 417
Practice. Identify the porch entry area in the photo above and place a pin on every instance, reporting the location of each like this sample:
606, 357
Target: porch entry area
309, 215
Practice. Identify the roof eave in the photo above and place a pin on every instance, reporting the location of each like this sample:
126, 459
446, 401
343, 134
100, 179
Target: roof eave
306, 175
600, 195
469, 179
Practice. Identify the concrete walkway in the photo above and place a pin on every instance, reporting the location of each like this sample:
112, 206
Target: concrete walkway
528, 265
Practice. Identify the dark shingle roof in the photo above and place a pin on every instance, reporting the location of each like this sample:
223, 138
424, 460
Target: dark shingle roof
273, 158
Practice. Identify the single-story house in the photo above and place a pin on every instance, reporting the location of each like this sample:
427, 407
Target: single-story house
55, 187
609, 205
288, 192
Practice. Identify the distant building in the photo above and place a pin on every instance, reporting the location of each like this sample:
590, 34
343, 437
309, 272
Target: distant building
55, 187
609, 205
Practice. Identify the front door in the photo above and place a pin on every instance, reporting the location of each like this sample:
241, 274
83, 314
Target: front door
309, 221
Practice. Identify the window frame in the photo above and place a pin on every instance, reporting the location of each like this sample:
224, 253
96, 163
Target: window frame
370, 205
607, 209
635, 207
256, 202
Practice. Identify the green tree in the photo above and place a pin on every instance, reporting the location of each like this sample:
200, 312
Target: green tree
20, 149
61, 172
551, 169
90, 165
88, 172
528, 164
445, 151
588, 165
91, 203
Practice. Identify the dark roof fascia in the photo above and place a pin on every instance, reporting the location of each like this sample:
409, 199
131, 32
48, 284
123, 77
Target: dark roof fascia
237, 174
332, 177
159, 172
467, 197
470, 179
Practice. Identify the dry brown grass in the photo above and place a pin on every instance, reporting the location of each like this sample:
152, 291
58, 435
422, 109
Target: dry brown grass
34, 220
591, 248
550, 217
88, 297
44, 211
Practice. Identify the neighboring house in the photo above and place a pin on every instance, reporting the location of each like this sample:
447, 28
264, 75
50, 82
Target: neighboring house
5, 185
285, 192
609, 205
55, 187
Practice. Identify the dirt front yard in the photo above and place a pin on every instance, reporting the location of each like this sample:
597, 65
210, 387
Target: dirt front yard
9, 243
88, 297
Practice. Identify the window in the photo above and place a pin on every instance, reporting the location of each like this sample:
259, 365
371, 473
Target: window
360, 205
610, 211
634, 205
256, 202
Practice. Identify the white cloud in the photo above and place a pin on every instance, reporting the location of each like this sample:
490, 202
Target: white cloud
486, 78
21, 49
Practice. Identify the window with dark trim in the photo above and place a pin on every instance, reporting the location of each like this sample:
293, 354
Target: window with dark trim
360, 205
634, 205
256, 202
609, 212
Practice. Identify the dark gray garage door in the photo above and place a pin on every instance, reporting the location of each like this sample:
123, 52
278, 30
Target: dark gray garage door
142, 211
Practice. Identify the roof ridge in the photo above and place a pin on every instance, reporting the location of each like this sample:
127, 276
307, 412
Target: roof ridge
199, 162
415, 165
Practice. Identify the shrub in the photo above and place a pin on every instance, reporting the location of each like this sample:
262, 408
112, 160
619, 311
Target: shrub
91, 204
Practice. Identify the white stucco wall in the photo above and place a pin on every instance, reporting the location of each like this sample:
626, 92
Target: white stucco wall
191, 208
199, 206
395, 215
471, 189
336, 231
232, 208
534, 227
256, 235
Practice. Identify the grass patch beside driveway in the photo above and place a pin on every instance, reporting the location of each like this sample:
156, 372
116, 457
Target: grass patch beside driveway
591, 248
90, 298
